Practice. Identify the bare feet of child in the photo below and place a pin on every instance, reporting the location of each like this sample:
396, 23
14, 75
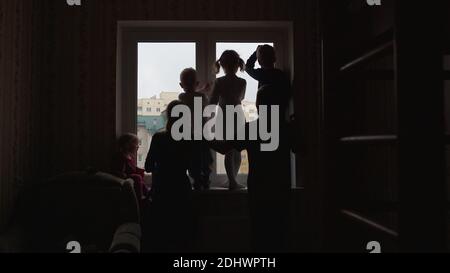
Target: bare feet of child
235, 186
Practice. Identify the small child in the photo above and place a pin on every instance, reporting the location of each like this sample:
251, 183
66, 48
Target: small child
230, 90
171, 217
125, 164
200, 168
269, 181
268, 74
168, 161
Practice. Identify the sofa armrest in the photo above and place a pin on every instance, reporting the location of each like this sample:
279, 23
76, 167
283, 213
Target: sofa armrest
127, 239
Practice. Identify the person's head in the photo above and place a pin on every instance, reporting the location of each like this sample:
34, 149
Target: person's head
171, 120
128, 144
188, 80
266, 56
230, 61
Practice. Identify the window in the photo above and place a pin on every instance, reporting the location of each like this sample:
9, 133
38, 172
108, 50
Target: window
159, 65
152, 54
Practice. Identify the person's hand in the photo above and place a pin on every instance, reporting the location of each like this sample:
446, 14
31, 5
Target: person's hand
140, 172
205, 88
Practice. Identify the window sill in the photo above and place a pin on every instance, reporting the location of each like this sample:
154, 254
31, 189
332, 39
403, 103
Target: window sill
222, 191
217, 189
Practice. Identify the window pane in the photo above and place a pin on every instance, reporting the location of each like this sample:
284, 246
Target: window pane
245, 50
159, 68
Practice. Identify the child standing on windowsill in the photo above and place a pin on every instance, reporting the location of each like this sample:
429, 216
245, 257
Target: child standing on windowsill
268, 74
125, 164
229, 90
200, 168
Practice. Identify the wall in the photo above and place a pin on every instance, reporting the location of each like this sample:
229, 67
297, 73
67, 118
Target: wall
16, 98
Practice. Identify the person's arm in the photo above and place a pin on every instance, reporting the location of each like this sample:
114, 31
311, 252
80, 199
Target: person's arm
205, 103
244, 87
140, 172
250, 67
205, 89
153, 153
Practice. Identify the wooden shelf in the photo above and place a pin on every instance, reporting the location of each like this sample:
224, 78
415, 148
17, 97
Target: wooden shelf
369, 223
371, 140
370, 74
377, 52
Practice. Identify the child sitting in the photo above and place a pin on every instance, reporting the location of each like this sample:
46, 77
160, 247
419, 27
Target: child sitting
125, 164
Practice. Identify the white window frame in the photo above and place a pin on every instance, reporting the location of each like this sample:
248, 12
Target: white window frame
205, 34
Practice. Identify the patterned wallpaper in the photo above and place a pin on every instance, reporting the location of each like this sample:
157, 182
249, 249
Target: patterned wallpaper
16, 98
58, 69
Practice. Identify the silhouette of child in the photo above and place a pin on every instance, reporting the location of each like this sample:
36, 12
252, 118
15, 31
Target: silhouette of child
125, 164
200, 168
168, 161
230, 90
269, 181
268, 74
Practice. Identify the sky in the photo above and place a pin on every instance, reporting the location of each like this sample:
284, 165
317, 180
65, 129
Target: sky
160, 64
